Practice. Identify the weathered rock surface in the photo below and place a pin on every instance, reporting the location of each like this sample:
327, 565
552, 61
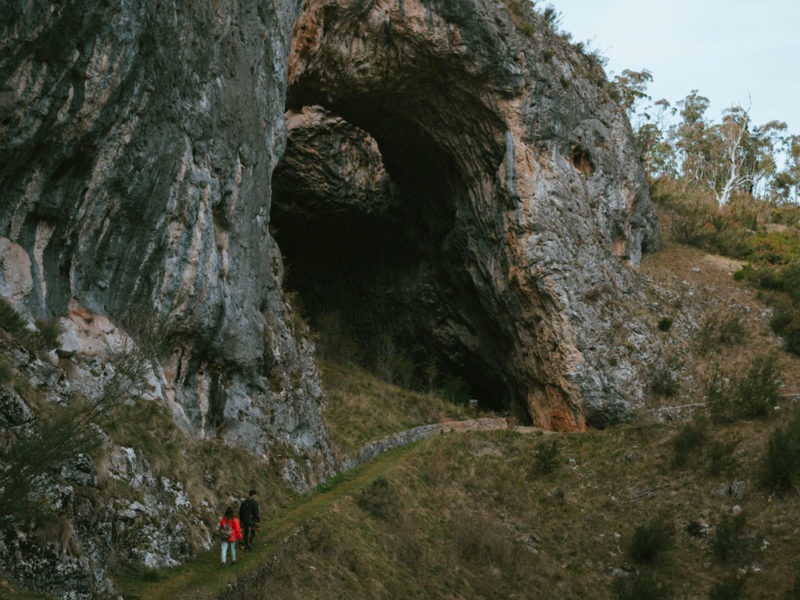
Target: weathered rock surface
138, 142
450, 185
520, 206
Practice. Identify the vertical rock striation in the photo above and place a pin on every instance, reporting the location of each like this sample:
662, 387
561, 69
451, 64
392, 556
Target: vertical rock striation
137, 145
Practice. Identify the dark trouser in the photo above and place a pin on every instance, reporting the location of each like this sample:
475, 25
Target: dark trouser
249, 532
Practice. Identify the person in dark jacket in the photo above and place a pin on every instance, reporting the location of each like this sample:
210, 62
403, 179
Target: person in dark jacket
250, 519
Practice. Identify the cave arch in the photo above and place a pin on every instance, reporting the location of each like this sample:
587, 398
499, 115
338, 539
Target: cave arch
395, 260
386, 259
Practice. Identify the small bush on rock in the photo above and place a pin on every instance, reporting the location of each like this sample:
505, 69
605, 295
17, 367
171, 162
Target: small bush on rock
10, 319
665, 323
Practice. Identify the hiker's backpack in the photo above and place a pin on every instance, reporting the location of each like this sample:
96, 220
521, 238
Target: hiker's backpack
225, 531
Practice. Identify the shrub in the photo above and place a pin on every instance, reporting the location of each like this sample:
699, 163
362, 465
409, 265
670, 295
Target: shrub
718, 395
785, 322
651, 540
379, 499
6, 372
696, 529
758, 391
721, 329
689, 440
781, 465
753, 395
665, 323
663, 380
794, 592
728, 537
546, 458
720, 457
730, 588
10, 319
48, 332
641, 586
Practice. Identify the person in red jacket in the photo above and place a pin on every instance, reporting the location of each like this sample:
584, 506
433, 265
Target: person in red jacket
229, 523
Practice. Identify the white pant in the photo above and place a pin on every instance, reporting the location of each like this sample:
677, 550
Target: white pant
225, 550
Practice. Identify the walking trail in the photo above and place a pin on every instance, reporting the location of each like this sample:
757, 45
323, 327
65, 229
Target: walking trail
202, 577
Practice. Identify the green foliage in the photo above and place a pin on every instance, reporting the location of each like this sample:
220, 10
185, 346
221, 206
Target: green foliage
6, 372
728, 541
651, 540
749, 396
663, 377
379, 499
781, 465
720, 457
721, 329
730, 588
61, 433
10, 319
695, 529
794, 592
689, 440
785, 322
758, 391
665, 323
640, 586
49, 332
546, 460
630, 88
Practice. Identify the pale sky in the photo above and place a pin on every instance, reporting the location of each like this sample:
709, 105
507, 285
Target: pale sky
731, 51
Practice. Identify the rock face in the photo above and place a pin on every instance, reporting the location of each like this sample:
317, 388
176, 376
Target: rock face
454, 190
503, 247
138, 143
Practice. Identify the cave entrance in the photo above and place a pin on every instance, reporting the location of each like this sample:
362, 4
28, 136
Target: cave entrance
366, 223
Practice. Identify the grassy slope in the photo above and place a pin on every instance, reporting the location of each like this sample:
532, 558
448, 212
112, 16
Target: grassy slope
360, 408
468, 516
465, 508
203, 578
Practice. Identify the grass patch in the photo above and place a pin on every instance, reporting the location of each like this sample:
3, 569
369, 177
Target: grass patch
361, 408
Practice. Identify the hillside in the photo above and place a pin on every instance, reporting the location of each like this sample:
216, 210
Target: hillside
477, 516
260, 243
668, 506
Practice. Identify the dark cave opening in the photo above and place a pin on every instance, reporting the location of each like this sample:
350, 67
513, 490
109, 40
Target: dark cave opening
381, 287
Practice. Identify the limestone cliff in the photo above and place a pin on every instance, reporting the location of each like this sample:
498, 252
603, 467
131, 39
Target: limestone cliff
451, 185
517, 208
138, 142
